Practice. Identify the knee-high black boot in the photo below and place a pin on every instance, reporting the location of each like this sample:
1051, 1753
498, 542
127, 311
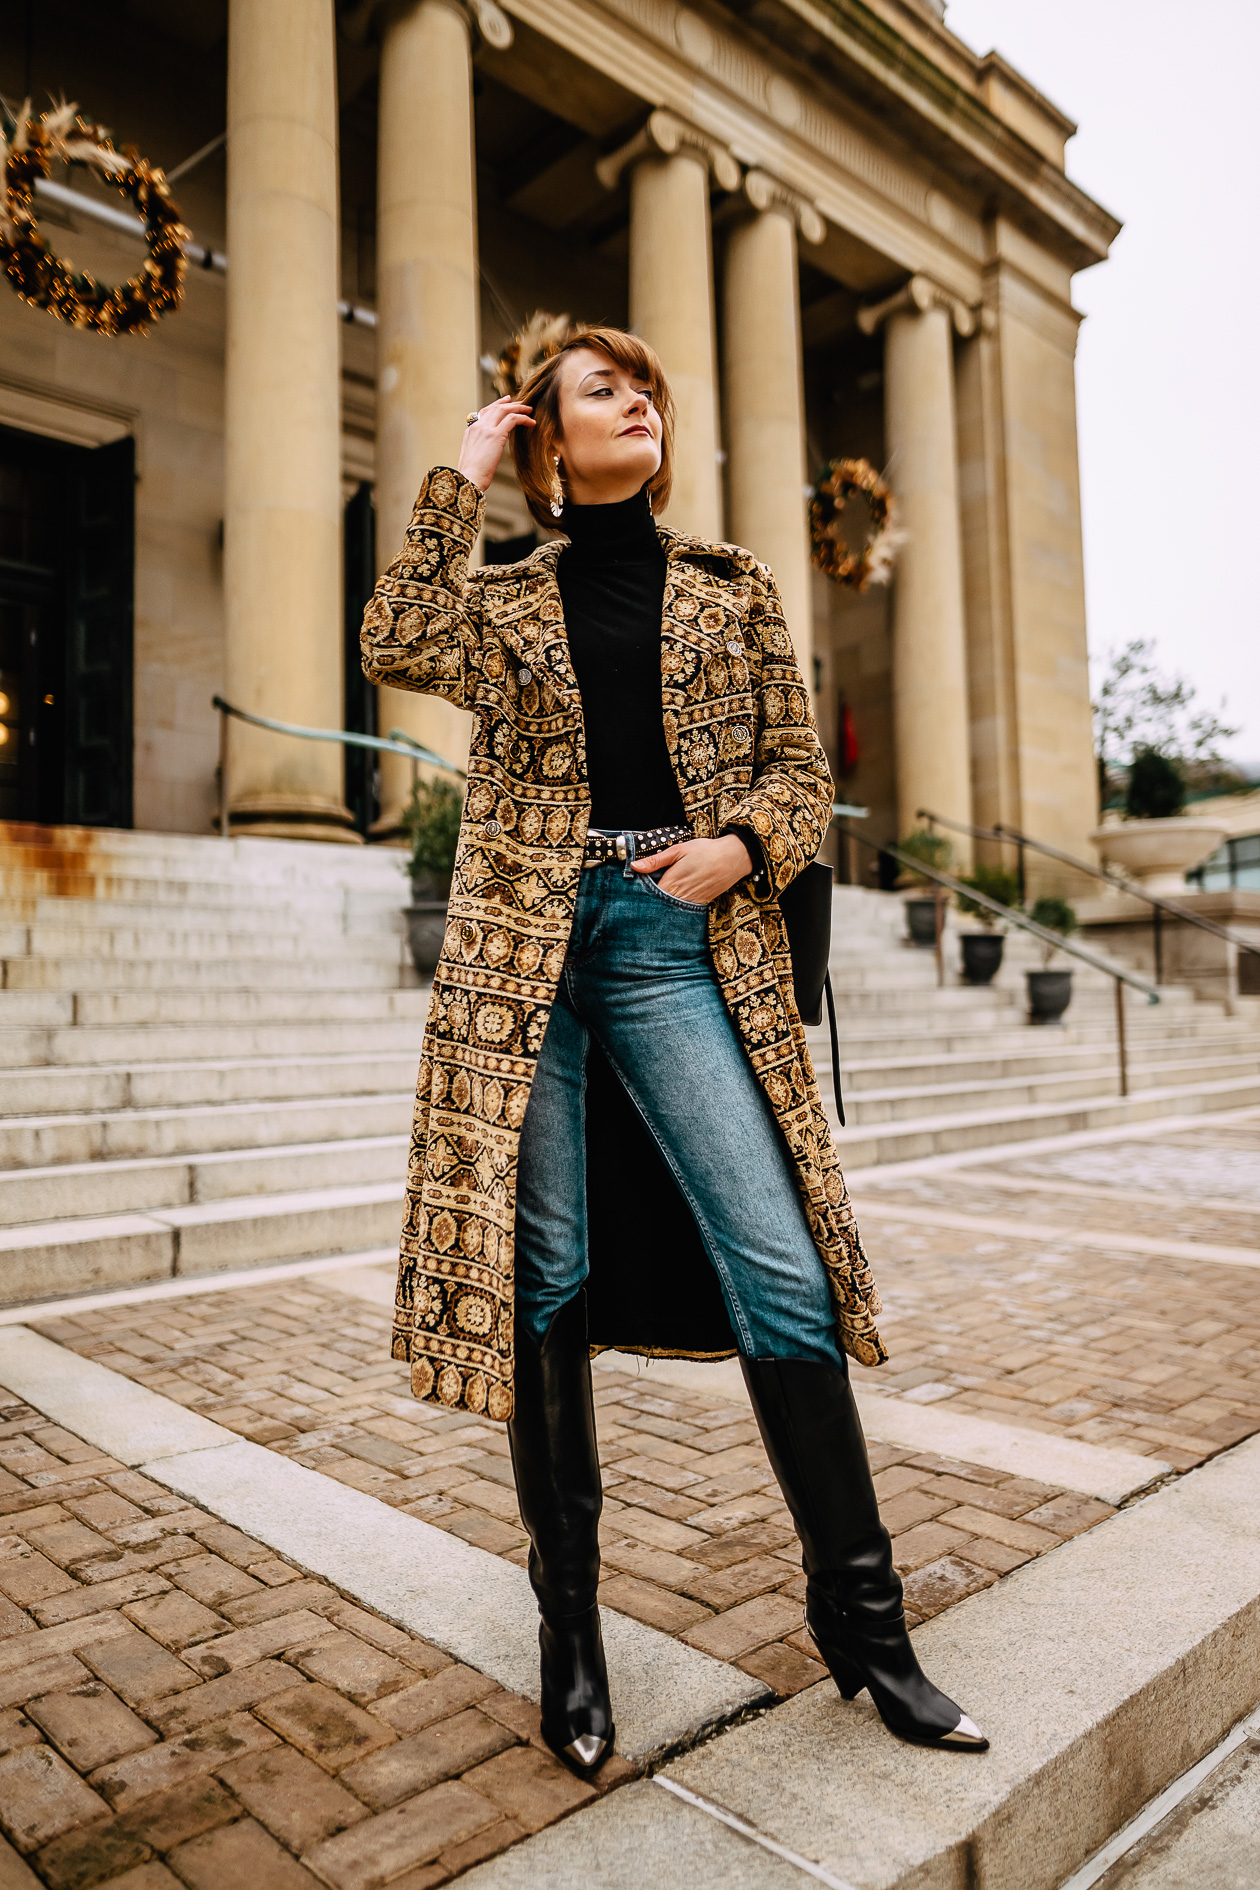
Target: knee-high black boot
552, 1438
813, 1437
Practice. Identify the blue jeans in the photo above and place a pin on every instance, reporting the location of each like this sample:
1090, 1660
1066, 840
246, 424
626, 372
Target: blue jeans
639, 978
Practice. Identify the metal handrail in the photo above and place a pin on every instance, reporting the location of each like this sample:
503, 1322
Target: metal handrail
397, 743
1011, 836
1021, 919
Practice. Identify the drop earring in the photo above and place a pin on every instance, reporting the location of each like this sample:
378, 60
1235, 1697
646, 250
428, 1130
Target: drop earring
557, 492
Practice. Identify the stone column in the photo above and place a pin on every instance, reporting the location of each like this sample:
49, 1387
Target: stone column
930, 707
282, 497
427, 378
671, 293
765, 398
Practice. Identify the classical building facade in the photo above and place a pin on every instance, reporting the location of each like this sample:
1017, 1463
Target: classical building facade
844, 231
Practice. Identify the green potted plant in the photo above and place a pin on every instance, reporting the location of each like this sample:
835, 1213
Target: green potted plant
982, 951
933, 849
1050, 992
431, 822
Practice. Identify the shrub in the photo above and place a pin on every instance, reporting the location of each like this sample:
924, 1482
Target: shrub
998, 884
1055, 915
1157, 787
933, 849
432, 821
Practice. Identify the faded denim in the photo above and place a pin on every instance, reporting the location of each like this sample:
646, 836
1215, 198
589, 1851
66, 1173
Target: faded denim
638, 976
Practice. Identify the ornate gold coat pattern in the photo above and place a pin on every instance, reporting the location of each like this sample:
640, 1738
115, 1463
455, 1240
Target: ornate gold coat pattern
741, 736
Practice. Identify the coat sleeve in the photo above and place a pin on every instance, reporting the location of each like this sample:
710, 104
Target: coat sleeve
421, 629
788, 805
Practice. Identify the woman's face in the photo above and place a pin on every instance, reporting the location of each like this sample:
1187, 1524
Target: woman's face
609, 438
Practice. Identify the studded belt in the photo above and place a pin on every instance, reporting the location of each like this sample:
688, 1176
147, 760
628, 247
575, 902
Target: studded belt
633, 844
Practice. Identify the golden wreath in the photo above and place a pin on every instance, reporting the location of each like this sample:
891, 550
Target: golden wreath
873, 564
29, 147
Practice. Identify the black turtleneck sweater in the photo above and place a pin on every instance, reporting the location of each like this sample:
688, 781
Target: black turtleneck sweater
612, 585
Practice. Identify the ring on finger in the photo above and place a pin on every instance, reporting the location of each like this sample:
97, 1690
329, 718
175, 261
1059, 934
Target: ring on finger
473, 418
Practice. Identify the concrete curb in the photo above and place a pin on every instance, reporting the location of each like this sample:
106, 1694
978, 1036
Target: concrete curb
1101, 1672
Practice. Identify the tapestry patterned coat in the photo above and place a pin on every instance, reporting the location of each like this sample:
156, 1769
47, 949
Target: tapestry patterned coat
741, 737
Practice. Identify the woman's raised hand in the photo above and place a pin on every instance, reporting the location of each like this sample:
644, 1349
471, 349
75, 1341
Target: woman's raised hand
486, 437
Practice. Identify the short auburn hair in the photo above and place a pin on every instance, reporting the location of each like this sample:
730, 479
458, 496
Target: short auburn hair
533, 447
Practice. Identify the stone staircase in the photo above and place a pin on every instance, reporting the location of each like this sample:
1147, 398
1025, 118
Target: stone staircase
930, 1071
209, 1052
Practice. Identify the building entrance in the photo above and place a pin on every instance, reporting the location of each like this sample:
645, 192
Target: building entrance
67, 555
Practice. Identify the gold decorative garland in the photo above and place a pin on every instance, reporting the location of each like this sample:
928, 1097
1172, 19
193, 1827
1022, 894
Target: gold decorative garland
873, 564
28, 149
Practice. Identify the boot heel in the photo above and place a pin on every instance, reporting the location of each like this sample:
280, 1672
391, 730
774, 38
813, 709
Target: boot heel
848, 1678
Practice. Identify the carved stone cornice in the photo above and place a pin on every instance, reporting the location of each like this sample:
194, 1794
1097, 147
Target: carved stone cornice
666, 135
920, 294
767, 193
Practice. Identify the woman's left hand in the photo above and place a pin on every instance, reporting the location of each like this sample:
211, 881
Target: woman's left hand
699, 869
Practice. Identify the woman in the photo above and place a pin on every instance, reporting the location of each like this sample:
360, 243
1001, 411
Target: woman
644, 780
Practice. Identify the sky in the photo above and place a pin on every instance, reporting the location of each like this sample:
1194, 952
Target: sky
1168, 364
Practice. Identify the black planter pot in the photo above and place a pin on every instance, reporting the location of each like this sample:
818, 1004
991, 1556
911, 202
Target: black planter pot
981, 956
921, 921
1049, 994
426, 929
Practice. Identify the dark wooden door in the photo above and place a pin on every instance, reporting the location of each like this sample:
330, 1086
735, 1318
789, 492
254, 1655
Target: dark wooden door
67, 553
100, 563
32, 617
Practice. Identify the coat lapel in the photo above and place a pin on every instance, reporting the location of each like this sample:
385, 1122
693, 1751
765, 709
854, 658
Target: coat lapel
530, 620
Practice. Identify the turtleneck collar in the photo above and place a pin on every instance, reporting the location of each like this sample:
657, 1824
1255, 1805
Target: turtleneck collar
603, 534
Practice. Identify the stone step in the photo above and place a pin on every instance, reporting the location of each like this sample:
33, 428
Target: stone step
276, 914
167, 1043
97, 1187
136, 1134
42, 1259
915, 1138
1087, 1023
151, 1010
344, 970
134, 939
928, 1070
988, 1094
98, 851
98, 1088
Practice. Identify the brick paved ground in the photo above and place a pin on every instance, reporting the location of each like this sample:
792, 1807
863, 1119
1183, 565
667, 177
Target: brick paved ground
1154, 1355
696, 1540
179, 1706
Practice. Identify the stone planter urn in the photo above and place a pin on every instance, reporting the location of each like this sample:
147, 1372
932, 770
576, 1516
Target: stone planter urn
981, 956
1049, 994
1158, 853
426, 921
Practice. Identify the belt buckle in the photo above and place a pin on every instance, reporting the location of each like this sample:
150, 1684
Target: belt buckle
621, 846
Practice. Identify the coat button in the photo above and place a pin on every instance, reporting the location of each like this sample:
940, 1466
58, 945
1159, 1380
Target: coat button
467, 930
491, 828
525, 678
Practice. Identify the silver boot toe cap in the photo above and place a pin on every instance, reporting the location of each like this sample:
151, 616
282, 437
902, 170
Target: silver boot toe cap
965, 1733
588, 1748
